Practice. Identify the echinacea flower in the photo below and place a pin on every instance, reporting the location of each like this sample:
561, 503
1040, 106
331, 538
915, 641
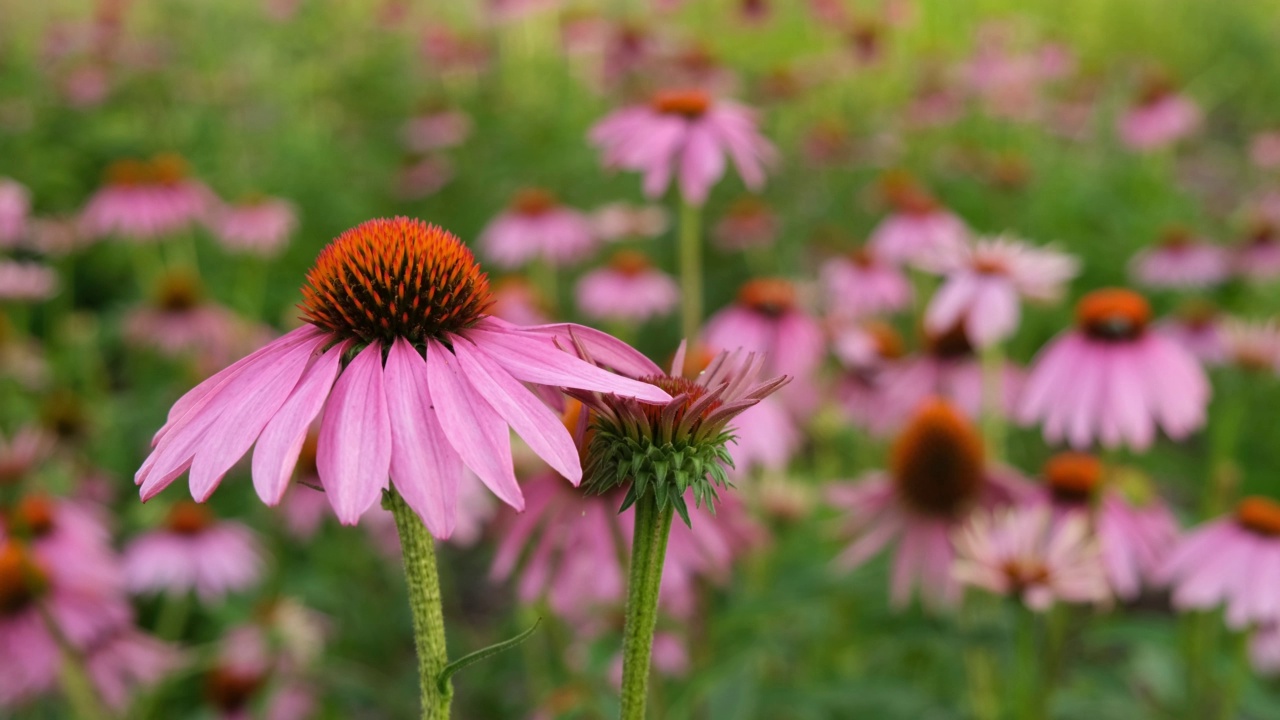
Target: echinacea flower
126, 661
620, 221
537, 227
179, 321
1264, 150
26, 281
414, 378
1197, 326
1264, 649
1251, 345
748, 223
984, 282
1113, 380
1257, 257
22, 453
919, 226
684, 134
862, 283
145, 200
194, 551
1159, 117
938, 475
1022, 554
66, 534
518, 301
1232, 561
257, 226
435, 130
1180, 260
868, 353
15, 207
628, 289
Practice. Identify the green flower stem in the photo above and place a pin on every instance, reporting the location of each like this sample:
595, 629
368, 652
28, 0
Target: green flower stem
547, 282
648, 551
171, 621
423, 583
76, 683
1228, 413
1238, 675
690, 271
1032, 695
993, 420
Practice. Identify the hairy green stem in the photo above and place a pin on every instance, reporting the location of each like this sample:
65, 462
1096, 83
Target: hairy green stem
648, 551
418, 548
690, 271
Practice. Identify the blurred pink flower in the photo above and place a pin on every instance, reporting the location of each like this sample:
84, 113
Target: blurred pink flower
1113, 380
423, 176
1196, 326
517, 301
1009, 82
1251, 345
259, 225
1258, 256
26, 281
71, 536
126, 661
1264, 150
1233, 561
1264, 649
867, 351
194, 552
620, 221
862, 284
984, 282
145, 201
919, 228
537, 227
1160, 117
748, 223
766, 437
23, 452
15, 207
382, 422
435, 130
1181, 260
1020, 553
685, 135
85, 84
178, 322
506, 11
937, 477
629, 289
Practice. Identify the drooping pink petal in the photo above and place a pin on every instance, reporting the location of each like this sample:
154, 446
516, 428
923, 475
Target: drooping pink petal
353, 455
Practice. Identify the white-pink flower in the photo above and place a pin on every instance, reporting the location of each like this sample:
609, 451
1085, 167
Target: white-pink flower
1180, 260
260, 226
194, 552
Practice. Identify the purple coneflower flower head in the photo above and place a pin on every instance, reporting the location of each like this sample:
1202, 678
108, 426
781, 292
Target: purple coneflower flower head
416, 381
537, 227
1251, 345
179, 322
1257, 257
937, 476
519, 302
919, 227
684, 134
1197, 326
1159, 117
22, 453
15, 207
26, 281
257, 226
862, 283
194, 551
1264, 649
620, 221
144, 201
1180, 260
748, 223
1022, 553
984, 282
1114, 380
1264, 150
868, 354
436, 130
420, 176
71, 536
629, 289
1232, 561
126, 661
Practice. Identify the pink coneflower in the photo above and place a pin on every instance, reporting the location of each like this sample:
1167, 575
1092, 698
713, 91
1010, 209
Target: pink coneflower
55, 237
862, 284
128, 660
258, 226
1264, 150
1021, 553
1234, 561
1181, 260
1197, 326
748, 223
919, 228
620, 221
628, 289
684, 134
397, 287
435, 130
1009, 83
767, 319
767, 437
1251, 345
1159, 117
178, 321
145, 200
22, 453
985, 281
867, 352
1113, 380
64, 534
194, 551
419, 177
1133, 537
26, 281
518, 301
937, 476
537, 227
248, 670
15, 206
1257, 257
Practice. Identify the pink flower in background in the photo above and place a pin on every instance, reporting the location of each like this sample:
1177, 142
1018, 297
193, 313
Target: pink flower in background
71, 536
766, 437
919, 228
684, 135
145, 201
538, 227
984, 282
56, 237
628, 289
1133, 536
23, 452
26, 281
670, 658
194, 552
748, 223
506, 11
258, 226
620, 221
15, 207
1251, 345
1009, 82
420, 419
1232, 561
1113, 380
862, 284
1021, 553
86, 84
178, 322
517, 301
1160, 117
126, 661
1258, 256
1197, 326
704, 552
1181, 260
937, 477
1264, 150
423, 176
435, 130
868, 352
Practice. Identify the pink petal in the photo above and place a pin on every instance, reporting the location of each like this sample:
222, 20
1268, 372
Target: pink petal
354, 451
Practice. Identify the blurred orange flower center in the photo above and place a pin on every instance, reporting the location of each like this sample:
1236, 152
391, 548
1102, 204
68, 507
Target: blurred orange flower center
688, 103
937, 461
1072, 476
1113, 314
1259, 514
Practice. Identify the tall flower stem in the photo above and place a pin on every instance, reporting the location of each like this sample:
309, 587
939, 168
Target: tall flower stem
690, 270
1228, 415
648, 551
993, 421
418, 549
76, 683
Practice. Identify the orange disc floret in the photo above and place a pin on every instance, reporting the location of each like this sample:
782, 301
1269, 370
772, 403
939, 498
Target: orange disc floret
127, 173
888, 341
33, 515
21, 579
533, 202
901, 190
937, 461
1176, 237
689, 103
949, 345
1259, 514
1073, 476
178, 291
189, 518
397, 278
168, 169
1113, 314
630, 262
771, 296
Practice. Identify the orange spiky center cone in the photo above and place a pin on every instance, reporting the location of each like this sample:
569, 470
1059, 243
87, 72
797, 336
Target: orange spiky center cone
22, 581
33, 515
127, 173
686, 103
397, 278
178, 291
1113, 314
769, 296
888, 341
937, 462
629, 262
1259, 514
533, 202
906, 195
168, 169
189, 518
1073, 477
